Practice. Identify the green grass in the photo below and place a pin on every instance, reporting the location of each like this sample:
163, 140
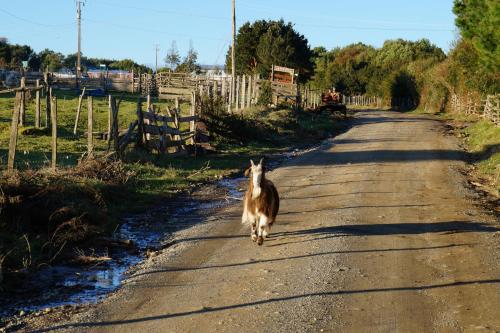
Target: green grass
482, 138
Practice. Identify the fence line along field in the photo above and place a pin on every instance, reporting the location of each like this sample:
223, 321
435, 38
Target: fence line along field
34, 143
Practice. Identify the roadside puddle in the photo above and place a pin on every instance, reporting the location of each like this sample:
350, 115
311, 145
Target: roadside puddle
61, 285
66, 285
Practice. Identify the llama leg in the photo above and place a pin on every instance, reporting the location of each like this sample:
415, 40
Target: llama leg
262, 229
266, 231
245, 218
253, 233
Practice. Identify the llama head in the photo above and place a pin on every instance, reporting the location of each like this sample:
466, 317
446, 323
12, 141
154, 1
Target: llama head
257, 172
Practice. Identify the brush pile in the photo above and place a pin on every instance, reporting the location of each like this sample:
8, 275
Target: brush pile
44, 214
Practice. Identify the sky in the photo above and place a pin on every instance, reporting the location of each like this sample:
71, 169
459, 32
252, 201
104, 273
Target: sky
120, 29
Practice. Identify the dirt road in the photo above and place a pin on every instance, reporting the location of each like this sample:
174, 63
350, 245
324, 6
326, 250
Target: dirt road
377, 233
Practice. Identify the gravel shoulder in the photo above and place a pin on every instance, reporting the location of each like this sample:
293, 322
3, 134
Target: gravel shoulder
377, 231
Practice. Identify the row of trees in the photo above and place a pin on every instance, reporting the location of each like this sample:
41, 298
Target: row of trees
12, 56
391, 71
420, 71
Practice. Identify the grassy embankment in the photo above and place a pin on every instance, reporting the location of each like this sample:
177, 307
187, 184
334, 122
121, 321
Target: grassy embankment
45, 215
482, 139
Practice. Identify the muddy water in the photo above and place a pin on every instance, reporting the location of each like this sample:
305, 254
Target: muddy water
73, 285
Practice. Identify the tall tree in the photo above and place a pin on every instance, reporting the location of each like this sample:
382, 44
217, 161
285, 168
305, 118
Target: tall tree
173, 57
51, 60
190, 61
5, 53
263, 43
478, 21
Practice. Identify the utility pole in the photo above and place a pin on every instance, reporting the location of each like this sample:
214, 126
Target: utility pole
233, 61
157, 49
79, 52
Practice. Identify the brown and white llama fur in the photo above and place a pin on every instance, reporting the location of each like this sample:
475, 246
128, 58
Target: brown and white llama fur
261, 203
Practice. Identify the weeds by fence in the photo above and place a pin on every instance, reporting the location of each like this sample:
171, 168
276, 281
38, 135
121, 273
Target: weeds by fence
469, 104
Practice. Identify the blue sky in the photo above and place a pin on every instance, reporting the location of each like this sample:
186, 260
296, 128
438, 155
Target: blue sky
130, 28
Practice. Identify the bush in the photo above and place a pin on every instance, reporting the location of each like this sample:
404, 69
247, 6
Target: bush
227, 127
266, 94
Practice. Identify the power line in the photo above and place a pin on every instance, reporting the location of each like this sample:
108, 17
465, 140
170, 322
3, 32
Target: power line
293, 13
156, 10
368, 28
122, 26
34, 22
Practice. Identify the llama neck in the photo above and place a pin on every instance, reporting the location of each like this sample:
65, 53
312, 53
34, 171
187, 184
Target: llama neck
255, 185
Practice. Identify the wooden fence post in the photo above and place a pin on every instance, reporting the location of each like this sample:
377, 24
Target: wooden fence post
192, 123
38, 106
110, 117
13, 133
90, 127
223, 89
114, 127
140, 123
243, 91
231, 97
132, 83
237, 91
176, 114
215, 88
140, 84
256, 92
53, 118
48, 95
22, 103
78, 110
249, 91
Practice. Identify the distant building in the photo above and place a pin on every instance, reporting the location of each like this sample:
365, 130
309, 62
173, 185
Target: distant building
214, 72
95, 73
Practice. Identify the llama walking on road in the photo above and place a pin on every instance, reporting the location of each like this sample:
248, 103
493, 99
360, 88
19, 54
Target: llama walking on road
261, 203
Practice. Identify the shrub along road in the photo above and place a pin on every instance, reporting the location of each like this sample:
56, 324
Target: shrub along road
378, 232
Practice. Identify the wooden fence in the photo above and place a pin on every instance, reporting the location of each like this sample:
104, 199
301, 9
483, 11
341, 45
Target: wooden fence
309, 98
469, 104
105, 82
246, 91
154, 129
178, 85
157, 130
363, 100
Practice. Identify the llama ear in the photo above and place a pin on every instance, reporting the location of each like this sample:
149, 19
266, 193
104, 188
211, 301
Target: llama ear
247, 172
253, 164
261, 161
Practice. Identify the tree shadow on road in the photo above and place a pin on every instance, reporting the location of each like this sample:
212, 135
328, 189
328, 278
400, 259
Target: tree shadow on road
304, 256
206, 310
394, 229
